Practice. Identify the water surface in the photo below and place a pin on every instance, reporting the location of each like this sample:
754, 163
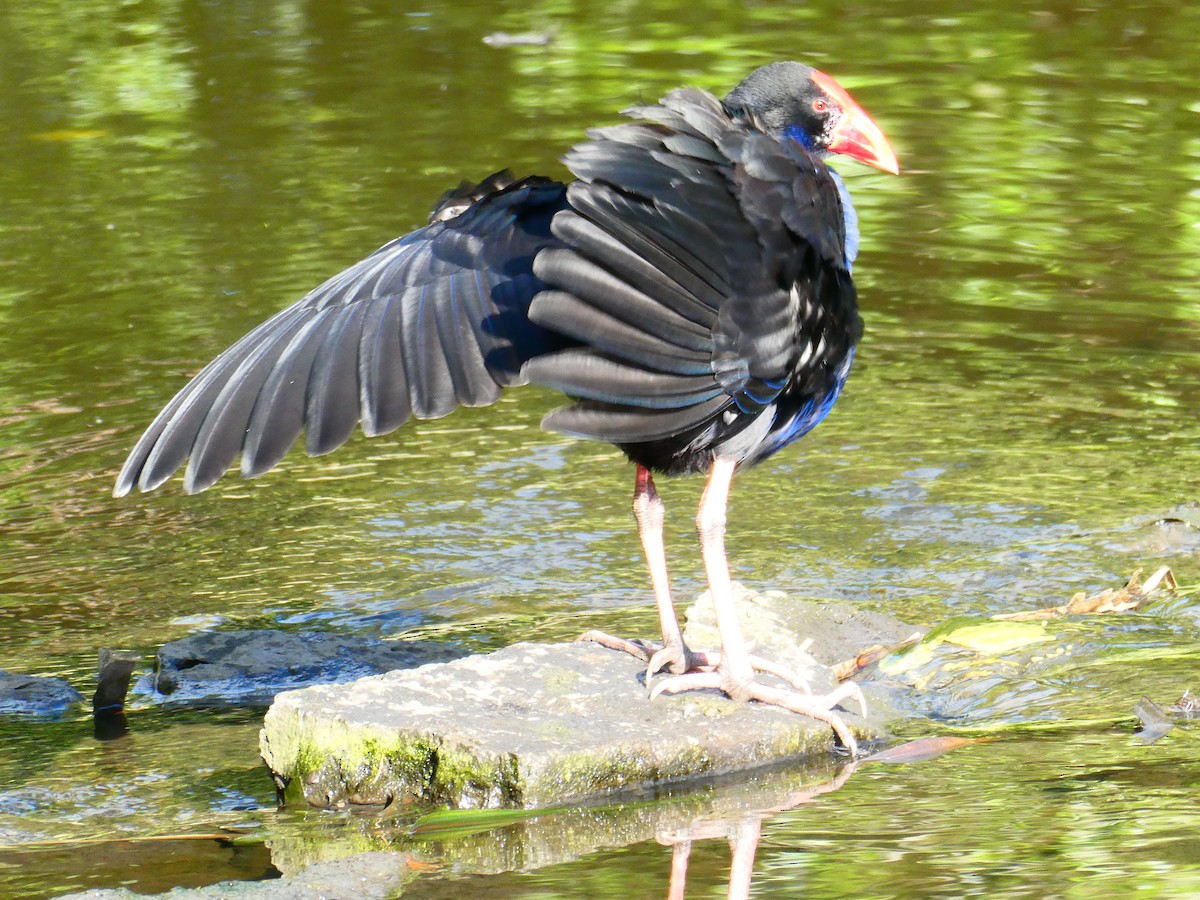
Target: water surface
1021, 417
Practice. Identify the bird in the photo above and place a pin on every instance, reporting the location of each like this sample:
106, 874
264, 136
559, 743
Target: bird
689, 290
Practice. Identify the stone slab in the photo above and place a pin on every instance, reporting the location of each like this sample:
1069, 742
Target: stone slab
533, 726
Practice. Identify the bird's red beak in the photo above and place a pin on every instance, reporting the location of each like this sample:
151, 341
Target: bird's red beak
856, 134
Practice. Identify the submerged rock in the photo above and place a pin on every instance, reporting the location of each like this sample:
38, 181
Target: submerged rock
365, 876
250, 667
112, 681
35, 695
537, 725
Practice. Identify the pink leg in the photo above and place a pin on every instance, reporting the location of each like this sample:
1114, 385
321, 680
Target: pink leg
650, 512
710, 525
735, 671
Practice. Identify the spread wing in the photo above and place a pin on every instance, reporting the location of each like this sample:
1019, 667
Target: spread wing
703, 260
429, 322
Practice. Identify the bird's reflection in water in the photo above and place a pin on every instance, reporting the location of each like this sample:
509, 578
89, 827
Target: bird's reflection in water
742, 831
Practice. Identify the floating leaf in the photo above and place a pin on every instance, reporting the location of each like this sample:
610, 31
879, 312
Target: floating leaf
921, 749
995, 638
912, 657
1133, 596
986, 636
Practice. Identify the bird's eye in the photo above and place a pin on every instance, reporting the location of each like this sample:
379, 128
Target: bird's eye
820, 105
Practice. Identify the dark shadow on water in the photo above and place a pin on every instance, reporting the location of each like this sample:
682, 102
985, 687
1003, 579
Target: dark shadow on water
145, 867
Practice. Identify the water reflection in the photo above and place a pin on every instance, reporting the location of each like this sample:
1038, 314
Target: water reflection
742, 833
1025, 813
534, 854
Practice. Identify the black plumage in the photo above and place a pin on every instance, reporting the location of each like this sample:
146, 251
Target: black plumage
429, 322
740, 313
690, 290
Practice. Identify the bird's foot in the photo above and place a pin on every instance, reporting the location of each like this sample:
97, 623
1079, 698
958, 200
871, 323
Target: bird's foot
704, 661
679, 659
806, 704
674, 658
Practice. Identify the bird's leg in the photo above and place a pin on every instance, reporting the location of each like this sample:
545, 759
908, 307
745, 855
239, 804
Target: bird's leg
710, 525
673, 655
650, 512
734, 673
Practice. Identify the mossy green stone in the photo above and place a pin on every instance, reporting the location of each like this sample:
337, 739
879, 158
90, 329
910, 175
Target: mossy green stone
530, 726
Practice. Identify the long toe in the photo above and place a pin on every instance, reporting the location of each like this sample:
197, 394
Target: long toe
674, 658
819, 707
692, 681
639, 649
795, 679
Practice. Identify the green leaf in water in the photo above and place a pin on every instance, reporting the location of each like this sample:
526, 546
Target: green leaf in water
987, 636
994, 638
448, 824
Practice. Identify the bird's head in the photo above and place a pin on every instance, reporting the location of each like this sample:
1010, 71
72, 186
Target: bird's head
794, 101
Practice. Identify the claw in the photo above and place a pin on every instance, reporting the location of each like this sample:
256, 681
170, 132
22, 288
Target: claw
815, 707
847, 690
679, 658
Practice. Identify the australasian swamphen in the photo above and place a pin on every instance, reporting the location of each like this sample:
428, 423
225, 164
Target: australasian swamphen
690, 291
